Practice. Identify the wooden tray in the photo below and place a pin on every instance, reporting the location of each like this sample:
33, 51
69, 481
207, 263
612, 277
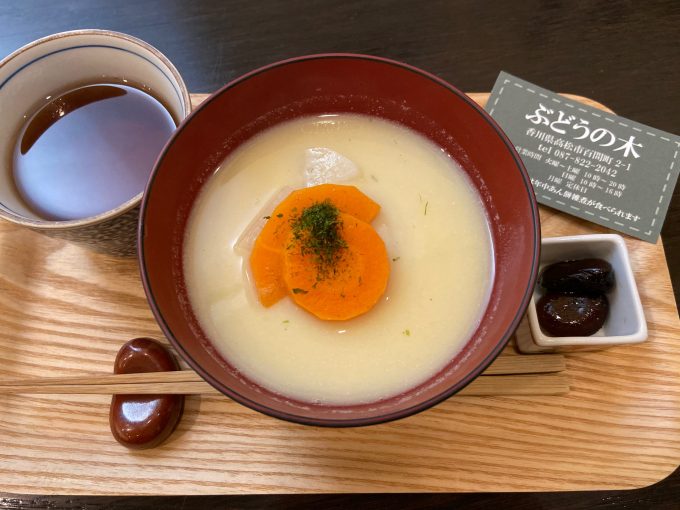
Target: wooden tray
65, 310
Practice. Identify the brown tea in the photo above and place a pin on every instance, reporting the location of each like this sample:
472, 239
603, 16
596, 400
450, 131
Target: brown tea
89, 150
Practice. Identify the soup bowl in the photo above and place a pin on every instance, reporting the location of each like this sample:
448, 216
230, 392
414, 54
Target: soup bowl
334, 83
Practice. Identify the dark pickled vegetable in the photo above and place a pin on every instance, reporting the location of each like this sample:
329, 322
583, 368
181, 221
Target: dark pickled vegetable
592, 276
571, 314
144, 421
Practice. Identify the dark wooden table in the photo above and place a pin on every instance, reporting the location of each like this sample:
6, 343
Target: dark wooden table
621, 53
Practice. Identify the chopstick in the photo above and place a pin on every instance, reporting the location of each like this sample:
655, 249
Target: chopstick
544, 384
187, 382
517, 385
526, 364
178, 376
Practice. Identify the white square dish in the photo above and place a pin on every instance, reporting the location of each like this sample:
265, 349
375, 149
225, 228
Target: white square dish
625, 323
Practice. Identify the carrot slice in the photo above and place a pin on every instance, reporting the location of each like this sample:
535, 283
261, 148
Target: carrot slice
357, 282
359, 277
266, 266
347, 199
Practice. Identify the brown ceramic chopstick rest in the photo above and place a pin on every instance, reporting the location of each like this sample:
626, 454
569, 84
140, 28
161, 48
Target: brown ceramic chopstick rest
144, 421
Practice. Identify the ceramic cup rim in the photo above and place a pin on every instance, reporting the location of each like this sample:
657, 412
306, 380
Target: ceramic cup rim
134, 201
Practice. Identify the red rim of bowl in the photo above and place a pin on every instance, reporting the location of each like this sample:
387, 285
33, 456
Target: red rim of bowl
357, 422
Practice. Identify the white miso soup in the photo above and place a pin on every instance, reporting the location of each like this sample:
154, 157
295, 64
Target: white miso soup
437, 237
